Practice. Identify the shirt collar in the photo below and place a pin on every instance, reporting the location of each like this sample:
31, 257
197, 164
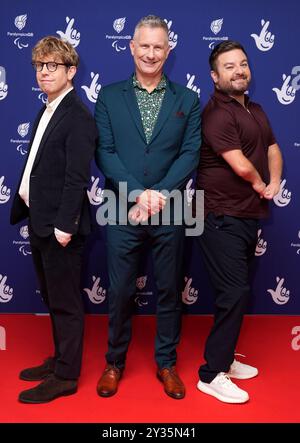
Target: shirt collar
51, 107
161, 85
222, 96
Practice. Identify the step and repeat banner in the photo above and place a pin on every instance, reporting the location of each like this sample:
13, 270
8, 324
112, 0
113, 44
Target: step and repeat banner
101, 31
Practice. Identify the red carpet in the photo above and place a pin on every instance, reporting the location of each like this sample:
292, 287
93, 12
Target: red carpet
266, 340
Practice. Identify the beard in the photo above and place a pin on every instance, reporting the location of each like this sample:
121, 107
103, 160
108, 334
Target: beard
236, 86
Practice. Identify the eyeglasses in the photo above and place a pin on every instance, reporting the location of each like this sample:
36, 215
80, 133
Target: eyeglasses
51, 66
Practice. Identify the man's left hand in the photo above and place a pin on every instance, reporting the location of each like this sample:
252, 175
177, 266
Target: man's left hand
271, 190
63, 238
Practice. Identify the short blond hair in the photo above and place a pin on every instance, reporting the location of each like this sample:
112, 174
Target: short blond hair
54, 45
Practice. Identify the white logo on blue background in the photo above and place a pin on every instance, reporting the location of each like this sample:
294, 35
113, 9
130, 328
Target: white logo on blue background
283, 198
23, 129
6, 292
173, 37
216, 26
4, 191
280, 294
261, 245
20, 21
95, 194
119, 24
190, 83
3, 84
265, 40
189, 294
96, 294
70, 34
93, 90
286, 94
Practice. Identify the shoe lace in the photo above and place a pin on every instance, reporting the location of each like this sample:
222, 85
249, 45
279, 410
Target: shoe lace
240, 355
224, 380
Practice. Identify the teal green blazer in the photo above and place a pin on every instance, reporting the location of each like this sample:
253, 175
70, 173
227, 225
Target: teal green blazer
123, 154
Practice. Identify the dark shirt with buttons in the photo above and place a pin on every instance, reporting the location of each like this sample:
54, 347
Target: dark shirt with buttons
227, 125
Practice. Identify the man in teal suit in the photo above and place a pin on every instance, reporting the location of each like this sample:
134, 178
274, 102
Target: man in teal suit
150, 139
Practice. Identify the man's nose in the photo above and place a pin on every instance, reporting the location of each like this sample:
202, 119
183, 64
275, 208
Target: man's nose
150, 53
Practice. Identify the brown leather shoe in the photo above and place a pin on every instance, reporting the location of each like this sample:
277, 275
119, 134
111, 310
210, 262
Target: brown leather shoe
173, 386
109, 380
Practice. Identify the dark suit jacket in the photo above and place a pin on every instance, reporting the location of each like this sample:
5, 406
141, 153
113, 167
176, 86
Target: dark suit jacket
123, 154
61, 172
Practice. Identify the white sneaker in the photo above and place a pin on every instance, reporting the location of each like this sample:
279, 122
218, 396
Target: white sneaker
224, 389
241, 371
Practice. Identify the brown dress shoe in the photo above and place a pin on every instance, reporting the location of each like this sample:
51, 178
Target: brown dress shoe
173, 386
109, 380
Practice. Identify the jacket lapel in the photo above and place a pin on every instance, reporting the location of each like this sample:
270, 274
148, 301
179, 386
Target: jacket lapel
165, 110
57, 116
131, 101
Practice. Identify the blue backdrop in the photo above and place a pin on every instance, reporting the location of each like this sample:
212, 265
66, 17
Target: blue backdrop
101, 32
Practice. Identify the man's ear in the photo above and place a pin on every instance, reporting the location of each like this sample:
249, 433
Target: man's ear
131, 44
214, 76
71, 72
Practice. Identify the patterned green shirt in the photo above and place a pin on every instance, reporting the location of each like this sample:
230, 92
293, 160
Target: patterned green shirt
149, 104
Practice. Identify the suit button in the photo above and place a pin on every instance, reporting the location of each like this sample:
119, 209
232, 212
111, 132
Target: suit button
147, 150
145, 172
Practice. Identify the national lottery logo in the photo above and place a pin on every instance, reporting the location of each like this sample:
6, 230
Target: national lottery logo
70, 34
173, 37
95, 194
286, 93
118, 41
6, 291
93, 89
20, 40
284, 196
3, 84
265, 39
189, 294
190, 83
4, 191
96, 294
261, 245
280, 294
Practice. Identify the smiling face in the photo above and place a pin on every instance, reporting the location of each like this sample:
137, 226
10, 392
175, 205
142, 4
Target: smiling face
54, 83
150, 49
232, 74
